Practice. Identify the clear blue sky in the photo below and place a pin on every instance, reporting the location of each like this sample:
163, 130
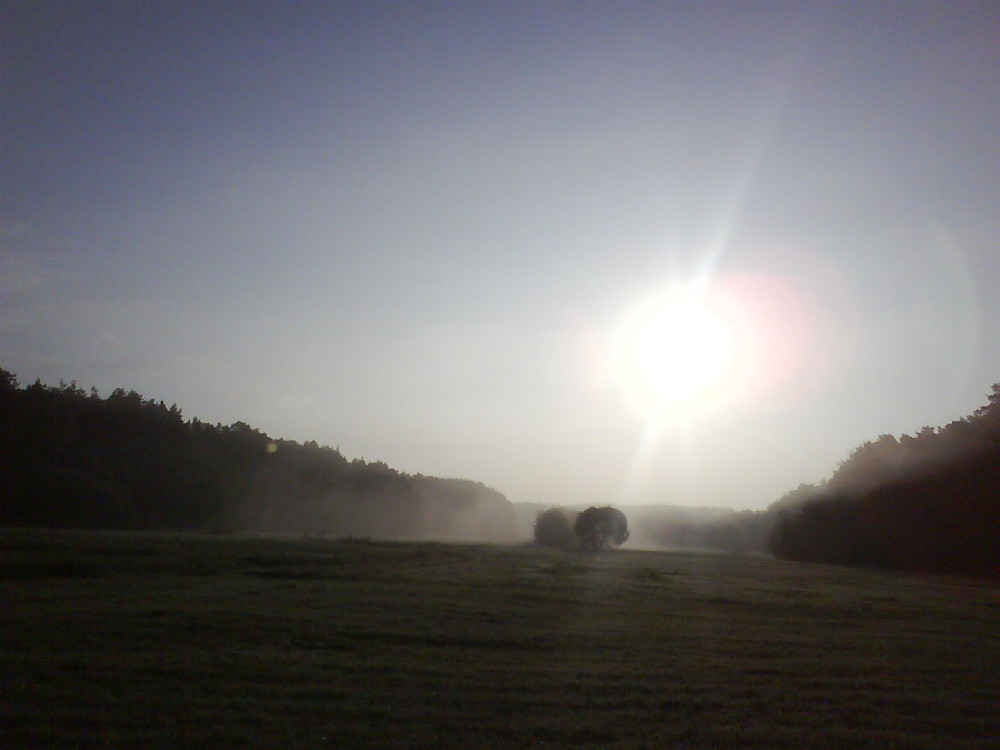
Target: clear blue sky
412, 230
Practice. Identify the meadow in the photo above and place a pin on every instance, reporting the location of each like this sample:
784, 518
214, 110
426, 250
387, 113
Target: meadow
156, 640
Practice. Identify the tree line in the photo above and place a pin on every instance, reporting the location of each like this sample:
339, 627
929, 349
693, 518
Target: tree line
73, 459
928, 502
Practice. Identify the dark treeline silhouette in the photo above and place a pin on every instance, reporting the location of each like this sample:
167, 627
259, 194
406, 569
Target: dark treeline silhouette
929, 502
72, 459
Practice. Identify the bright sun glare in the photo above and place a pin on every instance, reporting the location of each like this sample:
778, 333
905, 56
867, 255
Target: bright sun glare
673, 351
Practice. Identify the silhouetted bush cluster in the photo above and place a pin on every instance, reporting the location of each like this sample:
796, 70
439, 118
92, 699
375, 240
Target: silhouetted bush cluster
929, 502
593, 528
73, 459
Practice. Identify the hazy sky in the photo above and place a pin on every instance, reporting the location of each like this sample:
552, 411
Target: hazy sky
413, 230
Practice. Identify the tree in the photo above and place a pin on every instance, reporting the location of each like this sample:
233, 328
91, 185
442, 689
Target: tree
598, 527
993, 407
553, 528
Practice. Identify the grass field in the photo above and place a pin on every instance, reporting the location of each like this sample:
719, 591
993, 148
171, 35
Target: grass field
117, 640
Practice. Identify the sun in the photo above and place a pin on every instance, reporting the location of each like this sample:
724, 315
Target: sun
674, 350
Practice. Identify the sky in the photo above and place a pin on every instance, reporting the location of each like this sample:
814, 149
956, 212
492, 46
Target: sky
419, 231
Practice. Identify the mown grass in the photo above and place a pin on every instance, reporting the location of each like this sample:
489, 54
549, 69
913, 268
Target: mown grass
135, 640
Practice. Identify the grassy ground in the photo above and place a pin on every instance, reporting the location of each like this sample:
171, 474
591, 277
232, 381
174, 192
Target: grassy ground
160, 641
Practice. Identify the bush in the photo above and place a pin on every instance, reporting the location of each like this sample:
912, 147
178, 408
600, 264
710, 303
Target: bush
554, 528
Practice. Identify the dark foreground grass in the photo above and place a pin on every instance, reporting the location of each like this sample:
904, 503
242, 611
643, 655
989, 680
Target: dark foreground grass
167, 641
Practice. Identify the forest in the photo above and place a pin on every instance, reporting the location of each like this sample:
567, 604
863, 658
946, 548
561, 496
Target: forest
72, 459
929, 502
